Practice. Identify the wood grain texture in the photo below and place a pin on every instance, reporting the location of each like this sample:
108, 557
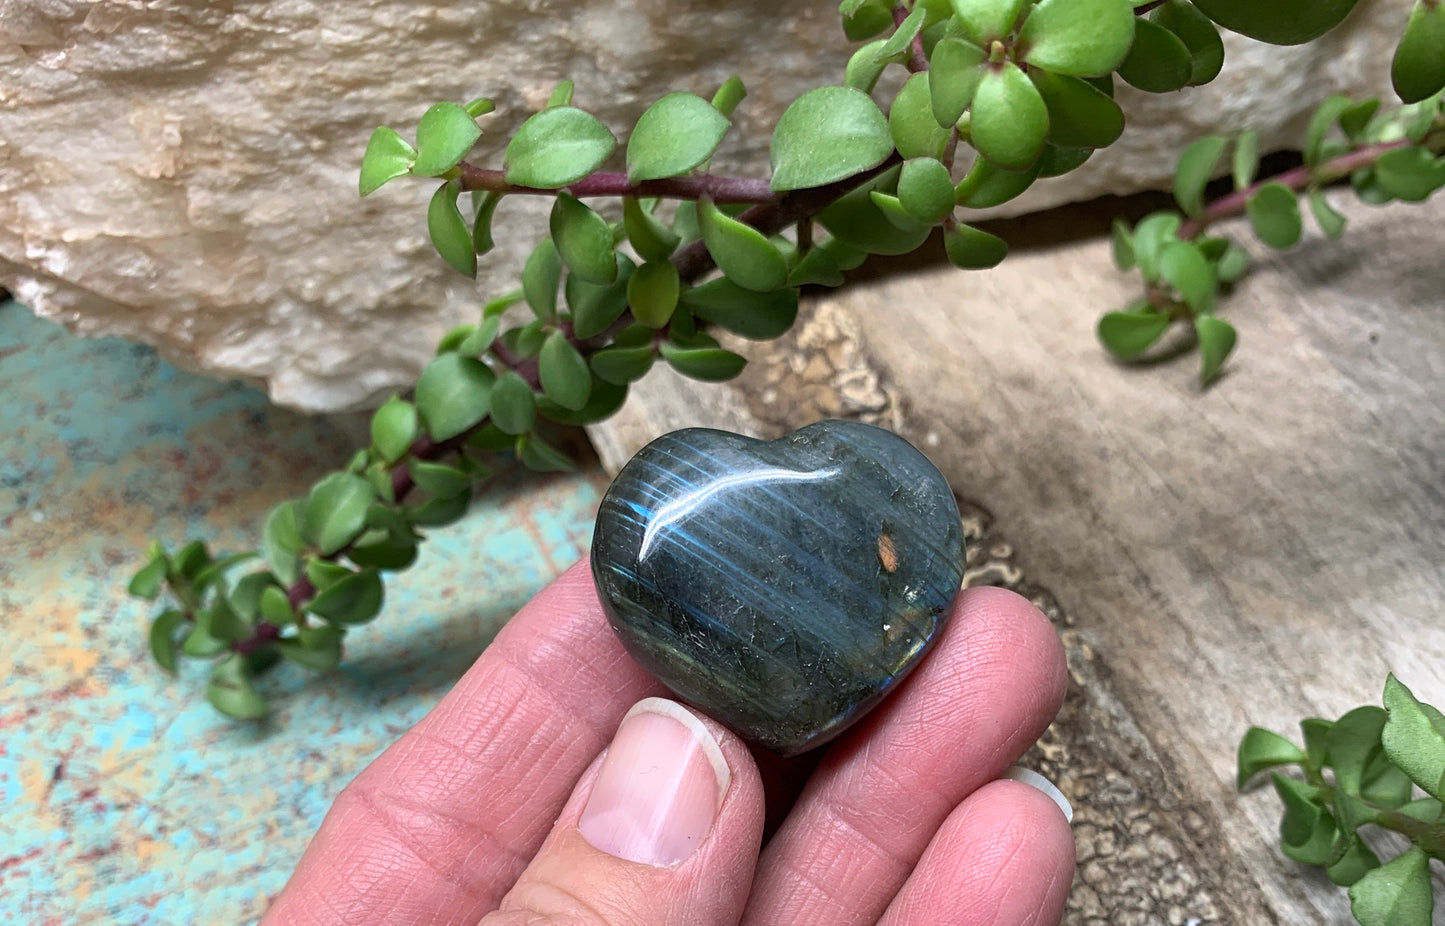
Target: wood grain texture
1256, 553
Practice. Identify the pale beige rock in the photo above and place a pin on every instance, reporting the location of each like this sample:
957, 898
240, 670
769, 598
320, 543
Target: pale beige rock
184, 173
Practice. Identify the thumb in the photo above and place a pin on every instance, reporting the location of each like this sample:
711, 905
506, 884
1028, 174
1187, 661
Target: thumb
663, 828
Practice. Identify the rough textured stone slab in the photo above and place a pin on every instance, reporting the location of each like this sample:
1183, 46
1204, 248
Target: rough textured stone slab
185, 174
1258, 553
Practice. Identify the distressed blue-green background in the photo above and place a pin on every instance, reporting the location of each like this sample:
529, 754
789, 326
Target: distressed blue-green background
126, 799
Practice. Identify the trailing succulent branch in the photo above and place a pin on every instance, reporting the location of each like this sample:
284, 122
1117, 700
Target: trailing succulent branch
1363, 770
998, 94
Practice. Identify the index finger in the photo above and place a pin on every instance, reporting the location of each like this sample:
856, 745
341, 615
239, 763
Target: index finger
441, 824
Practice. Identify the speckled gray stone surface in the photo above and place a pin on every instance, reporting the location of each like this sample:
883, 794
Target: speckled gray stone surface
782, 587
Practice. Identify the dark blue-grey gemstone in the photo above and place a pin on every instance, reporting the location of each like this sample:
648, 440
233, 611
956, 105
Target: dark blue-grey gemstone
782, 587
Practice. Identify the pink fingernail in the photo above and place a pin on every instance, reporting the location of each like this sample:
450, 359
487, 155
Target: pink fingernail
659, 788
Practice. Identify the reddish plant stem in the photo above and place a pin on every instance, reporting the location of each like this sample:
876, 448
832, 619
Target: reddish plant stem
917, 61
603, 183
1298, 179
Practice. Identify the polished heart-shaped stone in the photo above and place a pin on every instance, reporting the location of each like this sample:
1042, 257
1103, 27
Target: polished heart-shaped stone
783, 587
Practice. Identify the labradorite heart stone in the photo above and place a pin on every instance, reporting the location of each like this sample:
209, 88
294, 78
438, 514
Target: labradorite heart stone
783, 587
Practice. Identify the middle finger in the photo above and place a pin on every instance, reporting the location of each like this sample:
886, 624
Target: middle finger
993, 683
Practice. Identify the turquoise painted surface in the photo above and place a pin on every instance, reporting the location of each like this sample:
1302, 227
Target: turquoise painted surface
126, 799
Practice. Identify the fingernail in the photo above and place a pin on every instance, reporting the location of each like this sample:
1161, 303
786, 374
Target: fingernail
1034, 780
659, 788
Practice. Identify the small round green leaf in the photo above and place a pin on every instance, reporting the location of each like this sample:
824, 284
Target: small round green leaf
986, 21
231, 693
969, 248
1414, 738
742, 253
1246, 158
729, 94
1418, 68
1010, 120
1149, 236
954, 71
1216, 340
594, 307
1398, 893
315, 648
1199, 35
894, 212
1129, 334
915, 133
622, 365
1158, 61
1410, 174
335, 512
564, 374
480, 338
925, 190
540, 456
355, 599
863, 19
324, 573
163, 638
514, 408
855, 220
245, 597
281, 541
606, 398
484, 207
1330, 221
1232, 264
1280, 22
525, 342
1261, 749
1196, 166
561, 95
540, 276
709, 364
556, 147
393, 427
652, 292
1121, 241
583, 239
828, 134
449, 232
1081, 38
276, 607
817, 268
439, 512
1322, 119
443, 137
986, 184
901, 41
674, 135
1185, 269
755, 315
865, 67
1080, 114
1274, 212
652, 240
387, 157
1357, 860
453, 395
147, 583
438, 479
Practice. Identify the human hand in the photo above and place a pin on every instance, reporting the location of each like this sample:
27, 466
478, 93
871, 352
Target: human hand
501, 806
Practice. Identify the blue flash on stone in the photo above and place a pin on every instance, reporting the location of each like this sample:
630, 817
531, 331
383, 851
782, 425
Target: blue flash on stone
782, 587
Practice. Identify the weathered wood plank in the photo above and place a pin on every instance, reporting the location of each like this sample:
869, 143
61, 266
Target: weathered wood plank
1254, 554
